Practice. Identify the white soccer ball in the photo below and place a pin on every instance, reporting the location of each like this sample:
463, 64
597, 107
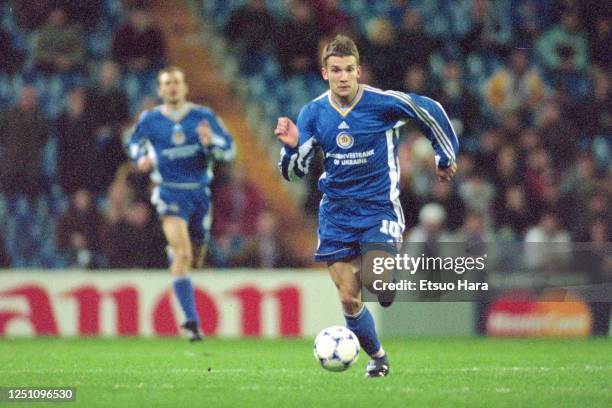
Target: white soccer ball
336, 348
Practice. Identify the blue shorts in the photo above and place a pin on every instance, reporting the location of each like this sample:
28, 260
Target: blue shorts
192, 205
346, 227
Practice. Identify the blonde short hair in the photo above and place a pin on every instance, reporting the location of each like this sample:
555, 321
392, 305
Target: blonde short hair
340, 46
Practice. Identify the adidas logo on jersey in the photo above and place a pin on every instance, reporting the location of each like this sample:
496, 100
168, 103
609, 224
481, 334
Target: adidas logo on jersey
343, 125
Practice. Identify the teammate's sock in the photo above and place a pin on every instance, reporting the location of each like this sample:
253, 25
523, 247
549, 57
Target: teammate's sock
184, 293
362, 324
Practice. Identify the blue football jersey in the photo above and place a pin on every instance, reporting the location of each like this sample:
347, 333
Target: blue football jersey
359, 142
171, 138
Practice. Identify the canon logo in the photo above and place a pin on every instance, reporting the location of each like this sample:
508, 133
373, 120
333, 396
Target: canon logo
43, 315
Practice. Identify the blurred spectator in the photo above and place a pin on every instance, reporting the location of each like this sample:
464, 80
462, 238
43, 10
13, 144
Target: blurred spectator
298, 41
106, 112
107, 104
478, 194
118, 200
529, 16
547, 244
577, 187
10, 56
236, 204
396, 11
507, 171
462, 106
593, 114
76, 149
223, 248
600, 42
538, 174
512, 124
416, 80
84, 12
527, 141
446, 195
382, 50
60, 46
139, 45
511, 212
516, 86
474, 233
547, 230
135, 241
78, 237
564, 38
559, 136
267, 248
419, 45
23, 134
330, 18
567, 80
251, 26
489, 31
486, 157
28, 16
598, 231
599, 206
430, 229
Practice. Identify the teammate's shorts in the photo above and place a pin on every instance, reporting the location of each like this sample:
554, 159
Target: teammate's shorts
348, 228
192, 205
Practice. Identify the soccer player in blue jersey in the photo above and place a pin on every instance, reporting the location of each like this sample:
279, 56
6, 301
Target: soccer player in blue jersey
180, 141
356, 127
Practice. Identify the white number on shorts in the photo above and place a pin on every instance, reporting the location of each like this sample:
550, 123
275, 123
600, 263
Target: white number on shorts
391, 228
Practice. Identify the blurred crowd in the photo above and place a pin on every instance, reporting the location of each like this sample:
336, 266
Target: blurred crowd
525, 83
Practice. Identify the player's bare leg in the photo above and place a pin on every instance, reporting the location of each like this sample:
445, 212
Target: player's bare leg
368, 277
344, 275
357, 315
177, 234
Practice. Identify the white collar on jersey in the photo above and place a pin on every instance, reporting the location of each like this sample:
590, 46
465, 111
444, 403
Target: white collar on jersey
176, 115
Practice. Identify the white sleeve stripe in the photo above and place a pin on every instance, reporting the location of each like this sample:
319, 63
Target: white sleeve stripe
446, 116
424, 115
440, 134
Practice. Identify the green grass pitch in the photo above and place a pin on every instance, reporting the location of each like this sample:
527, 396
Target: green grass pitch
425, 372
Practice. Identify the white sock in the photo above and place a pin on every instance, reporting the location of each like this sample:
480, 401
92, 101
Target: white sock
379, 353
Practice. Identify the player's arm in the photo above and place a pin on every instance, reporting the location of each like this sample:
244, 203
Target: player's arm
299, 145
136, 146
434, 122
216, 139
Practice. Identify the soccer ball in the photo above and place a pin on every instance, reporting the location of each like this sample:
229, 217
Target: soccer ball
336, 348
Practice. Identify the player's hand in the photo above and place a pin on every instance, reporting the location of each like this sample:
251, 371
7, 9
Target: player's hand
205, 133
145, 164
447, 173
286, 132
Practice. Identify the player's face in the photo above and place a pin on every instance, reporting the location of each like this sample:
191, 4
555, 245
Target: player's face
342, 74
172, 87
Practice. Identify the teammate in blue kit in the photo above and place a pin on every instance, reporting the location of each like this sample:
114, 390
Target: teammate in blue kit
356, 126
180, 141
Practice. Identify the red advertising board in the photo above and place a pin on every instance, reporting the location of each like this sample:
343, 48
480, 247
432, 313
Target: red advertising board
230, 304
